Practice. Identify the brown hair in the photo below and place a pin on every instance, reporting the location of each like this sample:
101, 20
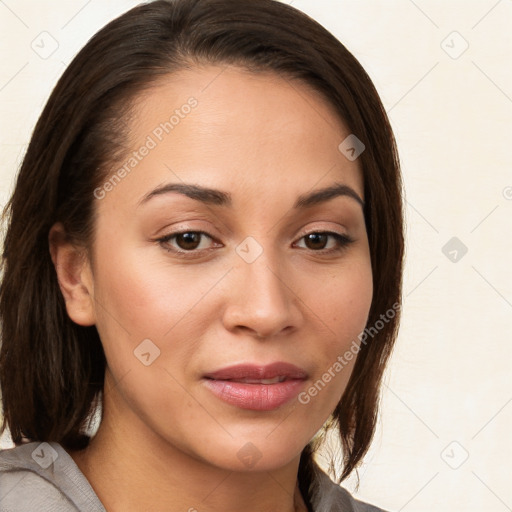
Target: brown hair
51, 369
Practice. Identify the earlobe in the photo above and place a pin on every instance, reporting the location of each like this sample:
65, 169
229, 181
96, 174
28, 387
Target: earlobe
74, 276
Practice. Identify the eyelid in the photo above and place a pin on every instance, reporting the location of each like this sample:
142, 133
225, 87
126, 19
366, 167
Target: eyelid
322, 230
332, 227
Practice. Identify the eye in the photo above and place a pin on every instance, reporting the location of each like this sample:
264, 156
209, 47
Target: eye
325, 241
186, 241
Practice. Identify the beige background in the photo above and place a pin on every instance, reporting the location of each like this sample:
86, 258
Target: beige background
448, 392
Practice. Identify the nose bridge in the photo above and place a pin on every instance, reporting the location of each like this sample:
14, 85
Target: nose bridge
264, 282
263, 302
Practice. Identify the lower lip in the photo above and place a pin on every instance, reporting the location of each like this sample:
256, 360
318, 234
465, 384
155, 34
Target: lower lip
256, 397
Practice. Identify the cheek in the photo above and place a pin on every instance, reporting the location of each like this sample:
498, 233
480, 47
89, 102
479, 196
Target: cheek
128, 300
341, 306
146, 298
343, 299
140, 298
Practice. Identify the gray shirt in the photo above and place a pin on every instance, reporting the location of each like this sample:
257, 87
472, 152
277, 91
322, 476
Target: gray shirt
43, 477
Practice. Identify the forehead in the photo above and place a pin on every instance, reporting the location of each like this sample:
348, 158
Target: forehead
226, 127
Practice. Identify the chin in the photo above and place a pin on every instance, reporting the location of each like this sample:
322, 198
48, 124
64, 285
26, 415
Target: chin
255, 453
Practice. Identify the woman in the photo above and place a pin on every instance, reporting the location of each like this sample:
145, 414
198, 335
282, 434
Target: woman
204, 245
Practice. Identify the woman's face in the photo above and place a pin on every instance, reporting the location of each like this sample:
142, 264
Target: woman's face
260, 278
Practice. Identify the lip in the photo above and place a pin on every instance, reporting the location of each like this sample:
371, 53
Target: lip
225, 384
254, 371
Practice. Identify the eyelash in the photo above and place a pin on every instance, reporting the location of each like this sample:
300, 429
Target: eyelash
343, 242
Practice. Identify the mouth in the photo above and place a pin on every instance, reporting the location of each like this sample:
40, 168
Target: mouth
256, 387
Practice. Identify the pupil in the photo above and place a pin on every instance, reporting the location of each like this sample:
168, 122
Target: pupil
316, 240
188, 240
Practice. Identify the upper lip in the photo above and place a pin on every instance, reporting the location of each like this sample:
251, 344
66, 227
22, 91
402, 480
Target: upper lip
255, 371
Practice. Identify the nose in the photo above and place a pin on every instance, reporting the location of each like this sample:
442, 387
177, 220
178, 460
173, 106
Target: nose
261, 301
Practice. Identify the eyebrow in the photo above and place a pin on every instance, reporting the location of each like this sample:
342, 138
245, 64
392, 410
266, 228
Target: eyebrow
325, 194
219, 198
197, 192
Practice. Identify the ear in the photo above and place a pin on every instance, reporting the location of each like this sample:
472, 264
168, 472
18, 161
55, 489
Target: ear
74, 276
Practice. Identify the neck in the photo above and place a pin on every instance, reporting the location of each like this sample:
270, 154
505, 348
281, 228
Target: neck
132, 468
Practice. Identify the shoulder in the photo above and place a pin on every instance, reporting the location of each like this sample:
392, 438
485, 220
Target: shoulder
43, 477
331, 497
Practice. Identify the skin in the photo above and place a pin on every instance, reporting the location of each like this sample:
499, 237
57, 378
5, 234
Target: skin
165, 441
